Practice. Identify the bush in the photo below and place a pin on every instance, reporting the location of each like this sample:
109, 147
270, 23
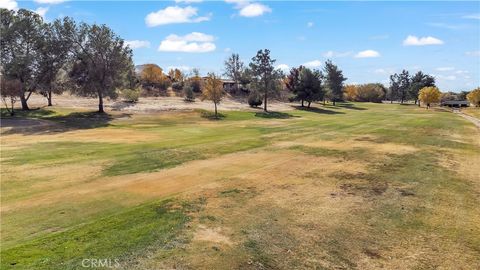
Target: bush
177, 86
254, 99
188, 93
130, 95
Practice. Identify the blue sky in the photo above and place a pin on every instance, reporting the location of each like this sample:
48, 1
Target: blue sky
368, 40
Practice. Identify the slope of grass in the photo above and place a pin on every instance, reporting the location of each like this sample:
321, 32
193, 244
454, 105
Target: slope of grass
278, 216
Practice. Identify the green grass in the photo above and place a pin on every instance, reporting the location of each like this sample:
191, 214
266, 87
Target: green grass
120, 236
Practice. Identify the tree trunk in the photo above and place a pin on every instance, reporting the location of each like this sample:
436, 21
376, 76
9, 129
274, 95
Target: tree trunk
265, 101
215, 110
100, 103
309, 104
12, 112
302, 102
49, 97
333, 102
323, 102
23, 100
401, 101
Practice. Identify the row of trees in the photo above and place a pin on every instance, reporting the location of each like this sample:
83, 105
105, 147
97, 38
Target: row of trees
37, 56
404, 87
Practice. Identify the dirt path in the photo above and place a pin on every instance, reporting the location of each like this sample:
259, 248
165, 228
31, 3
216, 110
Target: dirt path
472, 119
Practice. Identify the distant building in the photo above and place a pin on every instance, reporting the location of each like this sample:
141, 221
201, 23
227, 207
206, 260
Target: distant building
455, 103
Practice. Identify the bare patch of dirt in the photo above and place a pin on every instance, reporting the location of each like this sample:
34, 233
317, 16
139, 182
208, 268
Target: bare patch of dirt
213, 235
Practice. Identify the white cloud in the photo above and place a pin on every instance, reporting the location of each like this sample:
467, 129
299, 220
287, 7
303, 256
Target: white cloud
449, 26
310, 24
249, 9
174, 14
313, 64
188, 1
227, 50
136, 44
472, 16
42, 11
182, 68
254, 10
194, 42
473, 53
415, 41
367, 54
461, 72
51, 2
331, 54
283, 67
445, 68
9, 4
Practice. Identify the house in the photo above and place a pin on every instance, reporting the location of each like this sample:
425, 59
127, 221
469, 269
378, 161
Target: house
455, 103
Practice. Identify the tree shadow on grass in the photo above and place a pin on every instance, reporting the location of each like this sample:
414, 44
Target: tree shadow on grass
317, 110
211, 115
44, 123
274, 115
350, 106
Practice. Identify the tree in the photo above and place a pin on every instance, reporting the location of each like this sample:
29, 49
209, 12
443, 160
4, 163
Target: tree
334, 81
234, 68
305, 84
176, 75
20, 40
419, 81
350, 92
54, 52
370, 92
195, 81
399, 86
264, 76
474, 97
103, 62
189, 95
11, 90
152, 75
213, 90
429, 95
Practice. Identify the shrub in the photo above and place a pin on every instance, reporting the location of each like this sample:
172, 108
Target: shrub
474, 97
130, 95
188, 93
254, 99
177, 86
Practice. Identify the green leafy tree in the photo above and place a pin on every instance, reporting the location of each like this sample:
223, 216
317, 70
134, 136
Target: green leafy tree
265, 78
419, 81
305, 84
20, 40
399, 86
103, 62
233, 69
334, 81
54, 53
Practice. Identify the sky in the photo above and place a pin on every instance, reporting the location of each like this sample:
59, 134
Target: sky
368, 40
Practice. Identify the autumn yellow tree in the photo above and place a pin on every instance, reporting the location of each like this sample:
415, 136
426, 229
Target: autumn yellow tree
350, 92
474, 97
152, 75
176, 75
213, 90
429, 95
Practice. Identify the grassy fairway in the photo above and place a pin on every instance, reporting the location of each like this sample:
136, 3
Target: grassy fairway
355, 186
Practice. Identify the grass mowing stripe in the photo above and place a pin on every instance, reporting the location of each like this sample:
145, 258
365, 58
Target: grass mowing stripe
116, 237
